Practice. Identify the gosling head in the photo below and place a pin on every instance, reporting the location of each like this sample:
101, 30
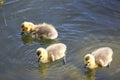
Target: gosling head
42, 55
27, 27
89, 61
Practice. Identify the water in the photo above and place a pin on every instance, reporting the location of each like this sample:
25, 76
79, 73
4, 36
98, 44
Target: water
83, 25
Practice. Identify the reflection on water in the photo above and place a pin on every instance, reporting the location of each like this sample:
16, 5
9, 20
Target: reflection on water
27, 39
90, 74
43, 68
47, 71
83, 25
1, 2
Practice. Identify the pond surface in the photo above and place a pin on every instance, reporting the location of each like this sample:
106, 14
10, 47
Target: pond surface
83, 25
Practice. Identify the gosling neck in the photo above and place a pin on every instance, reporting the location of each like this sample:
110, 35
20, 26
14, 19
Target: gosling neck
45, 58
94, 65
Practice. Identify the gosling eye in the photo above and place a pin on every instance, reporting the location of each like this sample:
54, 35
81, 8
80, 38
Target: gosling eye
26, 28
40, 56
88, 62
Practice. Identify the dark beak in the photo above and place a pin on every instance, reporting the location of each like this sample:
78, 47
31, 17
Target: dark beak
22, 33
38, 59
85, 66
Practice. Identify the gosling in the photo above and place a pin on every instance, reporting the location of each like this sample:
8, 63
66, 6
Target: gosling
101, 57
52, 53
41, 31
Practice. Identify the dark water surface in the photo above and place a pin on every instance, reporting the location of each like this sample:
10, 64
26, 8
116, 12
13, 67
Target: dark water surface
83, 25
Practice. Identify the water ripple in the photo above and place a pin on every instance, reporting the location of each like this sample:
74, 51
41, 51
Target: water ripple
83, 25
12, 2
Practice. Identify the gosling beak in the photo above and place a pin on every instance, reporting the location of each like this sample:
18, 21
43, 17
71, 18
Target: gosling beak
22, 33
85, 66
38, 59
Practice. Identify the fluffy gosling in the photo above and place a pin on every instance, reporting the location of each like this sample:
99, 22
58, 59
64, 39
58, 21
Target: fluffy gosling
101, 57
41, 31
52, 53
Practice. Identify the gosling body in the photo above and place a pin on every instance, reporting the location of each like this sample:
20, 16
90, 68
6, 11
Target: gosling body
41, 31
101, 57
52, 53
